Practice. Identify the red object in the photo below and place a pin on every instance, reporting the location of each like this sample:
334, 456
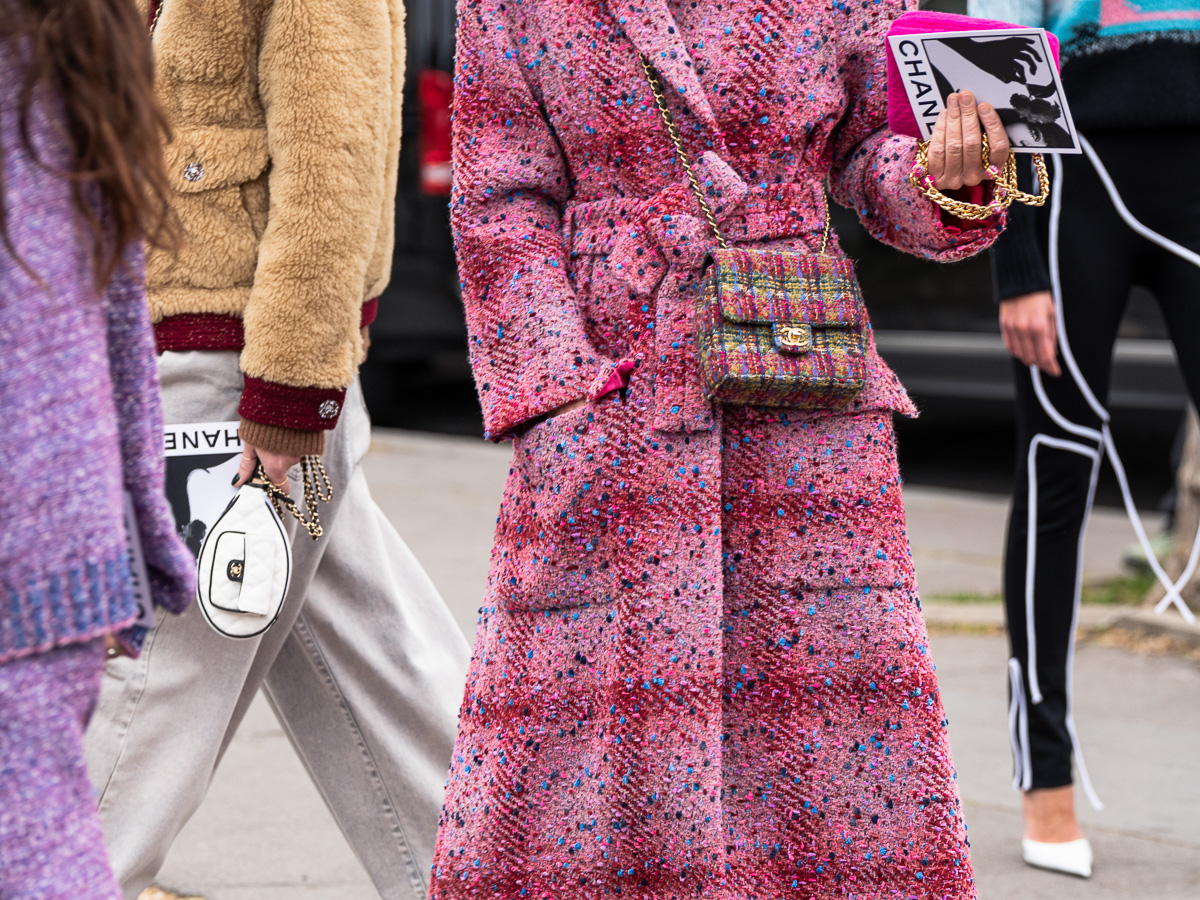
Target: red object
434, 91
370, 310
214, 331
701, 670
302, 408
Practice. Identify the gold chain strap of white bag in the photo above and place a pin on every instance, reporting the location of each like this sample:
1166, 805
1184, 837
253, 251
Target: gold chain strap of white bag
316, 487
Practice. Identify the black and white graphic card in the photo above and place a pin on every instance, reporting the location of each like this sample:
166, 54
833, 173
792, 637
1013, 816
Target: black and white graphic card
202, 459
1012, 69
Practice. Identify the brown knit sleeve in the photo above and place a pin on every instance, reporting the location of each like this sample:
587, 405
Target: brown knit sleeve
277, 439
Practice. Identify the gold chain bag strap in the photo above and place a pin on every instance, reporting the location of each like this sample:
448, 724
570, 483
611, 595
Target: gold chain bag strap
316, 487
1004, 185
778, 328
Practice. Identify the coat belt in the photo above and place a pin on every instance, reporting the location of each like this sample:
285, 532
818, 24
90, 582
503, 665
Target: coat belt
659, 244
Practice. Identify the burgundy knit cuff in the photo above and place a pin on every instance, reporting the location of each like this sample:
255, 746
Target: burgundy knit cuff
302, 408
370, 309
199, 331
216, 331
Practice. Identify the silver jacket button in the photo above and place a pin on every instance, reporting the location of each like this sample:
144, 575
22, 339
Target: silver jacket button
193, 171
328, 409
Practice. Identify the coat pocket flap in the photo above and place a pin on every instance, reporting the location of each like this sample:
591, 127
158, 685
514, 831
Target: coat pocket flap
202, 159
757, 287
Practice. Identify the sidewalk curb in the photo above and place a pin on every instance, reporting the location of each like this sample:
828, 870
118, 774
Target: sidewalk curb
963, 616
990, 616
1136, 622
1147, 623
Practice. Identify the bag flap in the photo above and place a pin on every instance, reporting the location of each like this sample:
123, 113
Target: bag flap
767, 287
226, 570
245, 565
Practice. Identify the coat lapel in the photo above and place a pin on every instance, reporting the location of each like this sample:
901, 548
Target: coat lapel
650, 26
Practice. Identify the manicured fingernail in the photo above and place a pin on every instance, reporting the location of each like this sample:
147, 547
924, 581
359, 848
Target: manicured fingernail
967, 99
952, 101
235, 478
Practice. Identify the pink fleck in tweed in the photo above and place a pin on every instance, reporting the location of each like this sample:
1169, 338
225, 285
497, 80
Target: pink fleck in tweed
700, 669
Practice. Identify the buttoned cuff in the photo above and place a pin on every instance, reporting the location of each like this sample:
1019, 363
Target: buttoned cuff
298, 408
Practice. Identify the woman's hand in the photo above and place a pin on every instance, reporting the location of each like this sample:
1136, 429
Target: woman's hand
956, 148
275, 465
1030, 330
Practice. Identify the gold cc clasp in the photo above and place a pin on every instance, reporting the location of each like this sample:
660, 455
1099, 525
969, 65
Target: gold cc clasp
794, 338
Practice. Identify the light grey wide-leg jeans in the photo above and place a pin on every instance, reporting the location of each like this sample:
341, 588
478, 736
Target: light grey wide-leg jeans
364, 668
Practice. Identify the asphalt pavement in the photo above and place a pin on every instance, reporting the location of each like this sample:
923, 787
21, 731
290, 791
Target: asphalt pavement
263, 832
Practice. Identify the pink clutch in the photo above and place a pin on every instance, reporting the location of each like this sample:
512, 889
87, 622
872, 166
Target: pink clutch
900, 114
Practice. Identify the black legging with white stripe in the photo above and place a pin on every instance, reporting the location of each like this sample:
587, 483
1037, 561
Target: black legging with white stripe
1100, 259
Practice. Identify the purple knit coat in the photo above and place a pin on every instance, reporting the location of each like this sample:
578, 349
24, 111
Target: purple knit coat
80, 418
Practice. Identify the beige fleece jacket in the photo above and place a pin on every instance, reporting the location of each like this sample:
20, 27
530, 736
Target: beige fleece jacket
285, 135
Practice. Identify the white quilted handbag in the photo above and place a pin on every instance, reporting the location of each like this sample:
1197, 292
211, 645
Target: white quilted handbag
245, 566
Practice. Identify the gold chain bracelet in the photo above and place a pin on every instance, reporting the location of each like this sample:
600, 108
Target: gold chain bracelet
316, 487
1004, 190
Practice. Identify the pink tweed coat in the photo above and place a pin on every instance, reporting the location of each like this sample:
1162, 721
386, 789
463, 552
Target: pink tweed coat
700, 668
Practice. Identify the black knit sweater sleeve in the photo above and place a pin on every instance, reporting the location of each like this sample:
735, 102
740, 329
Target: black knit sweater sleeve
1018, 259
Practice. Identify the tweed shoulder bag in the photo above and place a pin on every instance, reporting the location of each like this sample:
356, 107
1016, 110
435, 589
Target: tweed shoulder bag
778, 328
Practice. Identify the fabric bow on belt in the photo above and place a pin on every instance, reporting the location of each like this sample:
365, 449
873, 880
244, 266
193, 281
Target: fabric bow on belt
659, 248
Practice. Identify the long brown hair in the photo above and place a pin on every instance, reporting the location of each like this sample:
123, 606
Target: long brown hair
94, 57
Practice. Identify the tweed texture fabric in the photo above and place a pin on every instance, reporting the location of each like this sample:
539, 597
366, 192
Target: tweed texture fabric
643, 717
51, 843
782, 329
285, 124
576, 231
81, 414
673, 698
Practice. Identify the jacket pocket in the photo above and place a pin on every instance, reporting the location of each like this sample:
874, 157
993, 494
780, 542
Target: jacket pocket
565, 522
209, 170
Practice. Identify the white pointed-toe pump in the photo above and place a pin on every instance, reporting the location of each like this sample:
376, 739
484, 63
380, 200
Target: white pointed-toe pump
1070, 857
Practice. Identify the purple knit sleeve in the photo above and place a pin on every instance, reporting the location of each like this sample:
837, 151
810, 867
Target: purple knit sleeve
135, 382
